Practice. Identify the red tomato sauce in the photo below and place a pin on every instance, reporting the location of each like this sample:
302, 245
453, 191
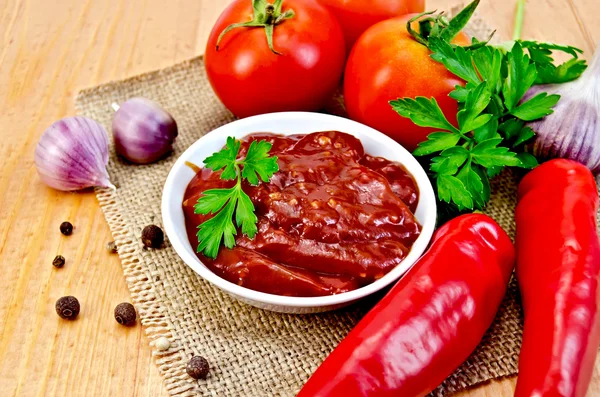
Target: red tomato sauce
332, 220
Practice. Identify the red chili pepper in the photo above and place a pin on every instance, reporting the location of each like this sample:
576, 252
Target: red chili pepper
558, 269
429, 323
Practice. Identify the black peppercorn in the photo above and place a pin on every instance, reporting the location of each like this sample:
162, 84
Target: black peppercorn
59, 261
112, 247
197, 367
153, 236
67, 307
66, 228
125, 313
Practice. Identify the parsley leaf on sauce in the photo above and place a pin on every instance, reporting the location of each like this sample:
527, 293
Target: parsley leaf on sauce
232, 203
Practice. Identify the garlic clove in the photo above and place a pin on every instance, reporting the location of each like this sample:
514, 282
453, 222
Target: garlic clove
72, 154
143, 131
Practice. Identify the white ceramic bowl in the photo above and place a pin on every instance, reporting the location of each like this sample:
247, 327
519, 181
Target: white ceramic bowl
374, 142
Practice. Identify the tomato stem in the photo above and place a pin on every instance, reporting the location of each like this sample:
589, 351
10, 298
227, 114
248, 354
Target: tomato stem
265, 15
424, 32
437, 25
269, 14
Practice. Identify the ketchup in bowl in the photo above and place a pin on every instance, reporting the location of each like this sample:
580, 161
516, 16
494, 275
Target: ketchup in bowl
332, 220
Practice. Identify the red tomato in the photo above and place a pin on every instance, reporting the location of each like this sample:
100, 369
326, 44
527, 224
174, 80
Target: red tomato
386, 64
250, 79
356, 16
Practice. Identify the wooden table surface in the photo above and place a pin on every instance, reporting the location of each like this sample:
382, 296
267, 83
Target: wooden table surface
48, 51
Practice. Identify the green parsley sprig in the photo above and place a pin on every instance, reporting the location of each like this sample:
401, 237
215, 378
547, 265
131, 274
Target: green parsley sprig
232, 202
491, 130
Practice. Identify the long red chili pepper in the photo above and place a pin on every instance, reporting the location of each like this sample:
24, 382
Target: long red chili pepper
558, 268
429, 323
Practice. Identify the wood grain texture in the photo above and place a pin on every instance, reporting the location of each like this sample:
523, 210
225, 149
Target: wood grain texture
48, 51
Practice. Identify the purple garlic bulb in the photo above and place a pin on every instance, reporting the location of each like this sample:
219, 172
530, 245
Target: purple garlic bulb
72, 154
143, 131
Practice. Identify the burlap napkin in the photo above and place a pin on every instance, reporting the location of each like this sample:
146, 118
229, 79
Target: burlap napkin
251, 352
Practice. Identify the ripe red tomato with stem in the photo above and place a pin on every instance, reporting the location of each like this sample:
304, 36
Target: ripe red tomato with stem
263, 57
356, 16
387, 63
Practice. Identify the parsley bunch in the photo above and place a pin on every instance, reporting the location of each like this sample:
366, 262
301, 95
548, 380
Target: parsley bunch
227, 203
491, 133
